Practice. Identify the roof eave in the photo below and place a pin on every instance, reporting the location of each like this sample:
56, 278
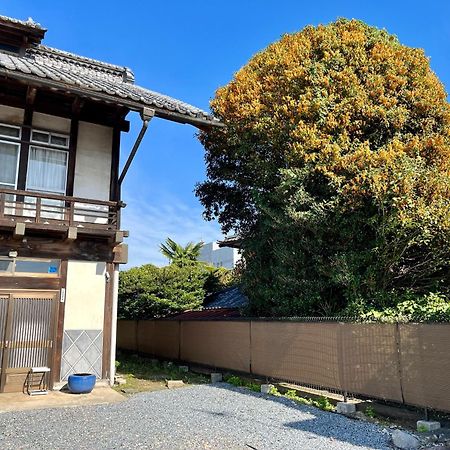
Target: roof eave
173, 116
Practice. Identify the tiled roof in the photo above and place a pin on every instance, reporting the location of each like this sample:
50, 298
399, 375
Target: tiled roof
227, 298
29, 23
207, 314
68, 72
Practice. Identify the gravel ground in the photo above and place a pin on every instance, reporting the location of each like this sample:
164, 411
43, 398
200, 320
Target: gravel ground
199, 417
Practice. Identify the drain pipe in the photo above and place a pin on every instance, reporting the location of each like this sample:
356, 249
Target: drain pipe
147, 114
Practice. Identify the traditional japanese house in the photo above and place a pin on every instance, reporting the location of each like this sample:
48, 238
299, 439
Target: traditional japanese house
61, 119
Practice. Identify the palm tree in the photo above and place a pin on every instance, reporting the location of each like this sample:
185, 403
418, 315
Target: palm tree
179, 255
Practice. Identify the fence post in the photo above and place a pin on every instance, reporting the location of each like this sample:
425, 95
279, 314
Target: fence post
341, 361
399, 359
179, 340
250, 346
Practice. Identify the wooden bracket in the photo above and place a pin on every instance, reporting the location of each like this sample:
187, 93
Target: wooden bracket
120, 253
72, 234
19, 230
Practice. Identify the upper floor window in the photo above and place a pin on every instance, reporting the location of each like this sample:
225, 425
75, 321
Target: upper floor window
48, 160
49, 138
9, 156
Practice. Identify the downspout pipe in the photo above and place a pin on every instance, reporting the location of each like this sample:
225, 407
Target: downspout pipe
147, 114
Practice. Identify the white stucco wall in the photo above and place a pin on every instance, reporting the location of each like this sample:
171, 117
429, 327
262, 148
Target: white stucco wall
10, 115
93, 162
85, 296
51, 123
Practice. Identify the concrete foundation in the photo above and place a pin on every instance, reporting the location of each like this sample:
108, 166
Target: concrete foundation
345, 408
265, 388
427, 425
216, 377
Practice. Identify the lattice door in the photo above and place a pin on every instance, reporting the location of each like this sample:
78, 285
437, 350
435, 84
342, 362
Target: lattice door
27, 328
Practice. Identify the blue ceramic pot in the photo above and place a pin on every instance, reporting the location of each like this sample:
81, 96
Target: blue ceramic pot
81, 383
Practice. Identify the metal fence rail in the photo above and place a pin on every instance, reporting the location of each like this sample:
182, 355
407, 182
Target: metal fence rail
405, 363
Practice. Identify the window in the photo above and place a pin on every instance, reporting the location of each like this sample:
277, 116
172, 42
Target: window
9, 131
29, 267
48, 138
47, 170
9, 162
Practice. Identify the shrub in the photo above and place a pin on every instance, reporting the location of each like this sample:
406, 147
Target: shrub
148, 291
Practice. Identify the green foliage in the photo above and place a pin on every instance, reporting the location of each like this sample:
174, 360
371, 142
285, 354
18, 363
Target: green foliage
235, 380
148, 291
321, 403
179, 255
239, 382
334, 168
274, 391
428, 308
370, 412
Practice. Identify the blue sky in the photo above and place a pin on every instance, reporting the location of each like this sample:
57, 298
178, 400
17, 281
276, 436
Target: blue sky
187, 49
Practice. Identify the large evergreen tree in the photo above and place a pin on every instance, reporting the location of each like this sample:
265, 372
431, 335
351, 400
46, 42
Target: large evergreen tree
334, 166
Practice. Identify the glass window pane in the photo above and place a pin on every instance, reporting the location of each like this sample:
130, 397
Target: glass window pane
47, 170
40, 136
9, 154
61, 141
6, 265
6, 130
48, 267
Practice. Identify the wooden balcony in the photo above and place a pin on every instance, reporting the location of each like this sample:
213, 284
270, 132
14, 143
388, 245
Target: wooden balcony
57, 213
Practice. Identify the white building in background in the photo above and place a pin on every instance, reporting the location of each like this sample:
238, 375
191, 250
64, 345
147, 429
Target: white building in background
217, 256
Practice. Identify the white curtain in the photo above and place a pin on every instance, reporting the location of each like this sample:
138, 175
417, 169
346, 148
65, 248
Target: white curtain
47, 170
8, 164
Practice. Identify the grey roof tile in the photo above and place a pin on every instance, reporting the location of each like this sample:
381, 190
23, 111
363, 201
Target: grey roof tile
91, 77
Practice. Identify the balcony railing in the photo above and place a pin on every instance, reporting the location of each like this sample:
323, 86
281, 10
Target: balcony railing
49, 209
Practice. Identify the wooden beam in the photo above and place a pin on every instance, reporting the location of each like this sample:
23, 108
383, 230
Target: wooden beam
19, 230
48, 247
57, 354
120, 254
107, 322
118, 237
77, 105
72, 233
31, 95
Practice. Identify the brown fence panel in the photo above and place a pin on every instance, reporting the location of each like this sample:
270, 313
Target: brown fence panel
166, 343
298, 352
126, 335
146, 336
425, 364
369, 360
216, 344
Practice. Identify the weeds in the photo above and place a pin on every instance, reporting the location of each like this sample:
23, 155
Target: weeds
321, 402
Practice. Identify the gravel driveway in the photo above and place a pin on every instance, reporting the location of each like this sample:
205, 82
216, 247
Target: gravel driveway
199, 417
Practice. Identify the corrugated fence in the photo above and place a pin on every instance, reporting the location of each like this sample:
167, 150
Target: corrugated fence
406, 363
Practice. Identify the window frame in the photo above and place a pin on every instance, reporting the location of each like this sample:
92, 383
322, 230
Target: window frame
17, 127
16, 178
41, 147
13, 272
49, 142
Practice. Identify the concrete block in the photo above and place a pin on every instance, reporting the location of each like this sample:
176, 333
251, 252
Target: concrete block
120, 380
216, 377
427, 425
265, 388
345, 408
183, 368
402, 439
174, 384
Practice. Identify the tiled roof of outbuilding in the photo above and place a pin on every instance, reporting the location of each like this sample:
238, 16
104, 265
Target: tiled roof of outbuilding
87, 77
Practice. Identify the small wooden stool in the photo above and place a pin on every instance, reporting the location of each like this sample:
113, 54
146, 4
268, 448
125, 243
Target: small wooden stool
37, 378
